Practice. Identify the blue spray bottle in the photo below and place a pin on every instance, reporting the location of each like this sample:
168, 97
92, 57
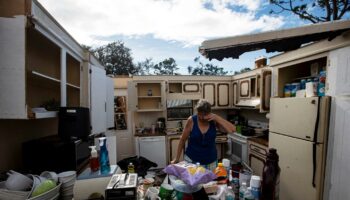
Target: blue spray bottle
104, 159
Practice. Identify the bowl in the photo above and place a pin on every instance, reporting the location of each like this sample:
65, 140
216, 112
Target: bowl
17, 181
50, 175
180, 186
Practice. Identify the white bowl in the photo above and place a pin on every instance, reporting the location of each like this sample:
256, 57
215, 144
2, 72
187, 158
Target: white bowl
67, 176
50, 175
49, 194
17, 181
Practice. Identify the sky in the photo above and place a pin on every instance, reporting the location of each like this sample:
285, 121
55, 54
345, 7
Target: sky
160, 29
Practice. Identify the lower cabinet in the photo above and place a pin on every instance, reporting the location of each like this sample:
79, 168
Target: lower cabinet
173, 142
257, 156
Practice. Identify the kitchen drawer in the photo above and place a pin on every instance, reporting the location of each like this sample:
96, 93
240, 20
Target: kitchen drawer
257, 148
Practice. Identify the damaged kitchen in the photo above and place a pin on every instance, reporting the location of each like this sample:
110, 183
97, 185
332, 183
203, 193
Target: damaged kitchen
69, 131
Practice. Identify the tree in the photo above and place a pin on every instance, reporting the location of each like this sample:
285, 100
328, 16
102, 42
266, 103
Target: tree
166, 67
205, 69
143, 68
116, 58
313, 10
246, 69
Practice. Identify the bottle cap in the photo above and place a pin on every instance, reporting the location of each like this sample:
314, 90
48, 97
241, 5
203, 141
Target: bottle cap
220, 164
226, 162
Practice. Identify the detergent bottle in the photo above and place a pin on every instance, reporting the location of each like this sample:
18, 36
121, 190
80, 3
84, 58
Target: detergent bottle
104, 159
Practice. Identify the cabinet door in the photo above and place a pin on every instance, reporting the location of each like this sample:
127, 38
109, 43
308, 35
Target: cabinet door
173, 144
338, 82
235, 94
244, 88
110, 102
132, 96
338, 159
98, 100
209, 93
257, 164
265, 90
191, 87
223, 94
163, 95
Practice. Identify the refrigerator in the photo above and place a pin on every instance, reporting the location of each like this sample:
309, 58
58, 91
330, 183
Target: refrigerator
299, 130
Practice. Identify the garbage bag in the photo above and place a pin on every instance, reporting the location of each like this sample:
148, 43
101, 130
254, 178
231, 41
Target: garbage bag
141, 164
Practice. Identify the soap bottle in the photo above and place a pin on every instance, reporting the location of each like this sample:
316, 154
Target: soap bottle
131, 168
104, 159
221, 173
94, 163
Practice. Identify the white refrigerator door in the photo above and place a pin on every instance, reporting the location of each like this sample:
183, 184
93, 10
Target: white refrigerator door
296, 117
296, 163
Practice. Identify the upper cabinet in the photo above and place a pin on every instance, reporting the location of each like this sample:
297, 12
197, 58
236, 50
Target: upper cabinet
36, 70
146, 96
338, 72
209, 93
223, 95
252, 89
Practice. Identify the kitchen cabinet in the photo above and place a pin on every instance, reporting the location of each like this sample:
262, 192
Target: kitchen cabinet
172, 143
235, 93
244, 88
149, 96
44, 70
191, 87
223, 91
209, 93
257, 153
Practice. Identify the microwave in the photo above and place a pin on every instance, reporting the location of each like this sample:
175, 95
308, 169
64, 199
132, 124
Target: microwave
52, 153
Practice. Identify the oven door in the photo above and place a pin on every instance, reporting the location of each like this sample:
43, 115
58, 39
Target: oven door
238, 149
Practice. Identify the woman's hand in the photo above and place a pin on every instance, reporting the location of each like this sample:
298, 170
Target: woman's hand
211, 117
174, 161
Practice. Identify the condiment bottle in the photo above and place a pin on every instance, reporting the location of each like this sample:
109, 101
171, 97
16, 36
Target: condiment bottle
131, 168
271, 173
221, 173
94, 163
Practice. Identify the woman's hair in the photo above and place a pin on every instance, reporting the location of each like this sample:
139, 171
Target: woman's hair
203, 106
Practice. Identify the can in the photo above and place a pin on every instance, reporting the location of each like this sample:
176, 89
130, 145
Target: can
287, 92
302, 84
294, 88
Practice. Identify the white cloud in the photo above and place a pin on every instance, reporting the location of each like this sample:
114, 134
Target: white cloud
186, 21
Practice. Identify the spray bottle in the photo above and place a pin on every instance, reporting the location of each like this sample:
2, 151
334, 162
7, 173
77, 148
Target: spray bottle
104, 159
94, 163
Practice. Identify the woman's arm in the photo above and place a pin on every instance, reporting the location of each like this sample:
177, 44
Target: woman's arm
185, 133
222, 123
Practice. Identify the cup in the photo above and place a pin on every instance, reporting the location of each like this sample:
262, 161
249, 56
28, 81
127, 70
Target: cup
17, 181
165, 191
147, 182
152, 194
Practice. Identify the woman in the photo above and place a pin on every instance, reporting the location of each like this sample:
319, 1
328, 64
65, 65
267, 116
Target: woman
200, 131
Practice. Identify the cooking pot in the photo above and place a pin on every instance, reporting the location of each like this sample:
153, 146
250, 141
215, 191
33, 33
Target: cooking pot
247, 131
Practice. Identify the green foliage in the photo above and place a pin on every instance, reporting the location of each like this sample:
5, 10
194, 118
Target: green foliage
144, 67
166, 67
116, 58
247, 69
313, 10
205, 69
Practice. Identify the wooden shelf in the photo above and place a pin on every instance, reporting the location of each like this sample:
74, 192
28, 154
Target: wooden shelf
148, 97
150, 110
73, 86
43, 76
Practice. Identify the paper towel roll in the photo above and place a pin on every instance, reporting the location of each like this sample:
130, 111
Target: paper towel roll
310, 92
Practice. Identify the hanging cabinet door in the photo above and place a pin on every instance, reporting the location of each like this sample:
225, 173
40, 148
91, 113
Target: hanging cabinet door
132, 96
223, 94
235, 94
244, 88
337, 81
265, 90
209, 93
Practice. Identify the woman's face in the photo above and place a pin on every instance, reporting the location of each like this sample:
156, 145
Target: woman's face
203, 116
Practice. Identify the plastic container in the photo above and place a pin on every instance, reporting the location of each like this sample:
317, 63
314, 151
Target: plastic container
230, 195
235, 186
131, 168
242, 190
302, 84
94, 162
287, 91
104, 159
180, 186
294, 88
255, 183
248, 195
226, 163
271, 173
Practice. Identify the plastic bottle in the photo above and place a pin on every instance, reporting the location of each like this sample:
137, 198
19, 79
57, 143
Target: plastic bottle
248, 195
131, 168
230, 195
226, 164
235, 186
271, 173
94, 163
242, 190
221, 173
104, 159
255, 183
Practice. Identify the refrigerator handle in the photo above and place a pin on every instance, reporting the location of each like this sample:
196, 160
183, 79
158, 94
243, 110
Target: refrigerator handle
315, 142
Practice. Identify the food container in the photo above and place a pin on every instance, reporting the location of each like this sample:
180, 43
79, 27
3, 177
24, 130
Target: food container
294, 88
287, 92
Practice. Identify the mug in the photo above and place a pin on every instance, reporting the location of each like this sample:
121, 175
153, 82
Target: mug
147, 182
166, 191
152, 194
17, 181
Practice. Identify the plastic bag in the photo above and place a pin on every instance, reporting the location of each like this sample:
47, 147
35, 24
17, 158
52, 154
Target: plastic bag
190, 174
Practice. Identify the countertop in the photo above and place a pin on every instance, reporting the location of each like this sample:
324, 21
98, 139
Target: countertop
260, 140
